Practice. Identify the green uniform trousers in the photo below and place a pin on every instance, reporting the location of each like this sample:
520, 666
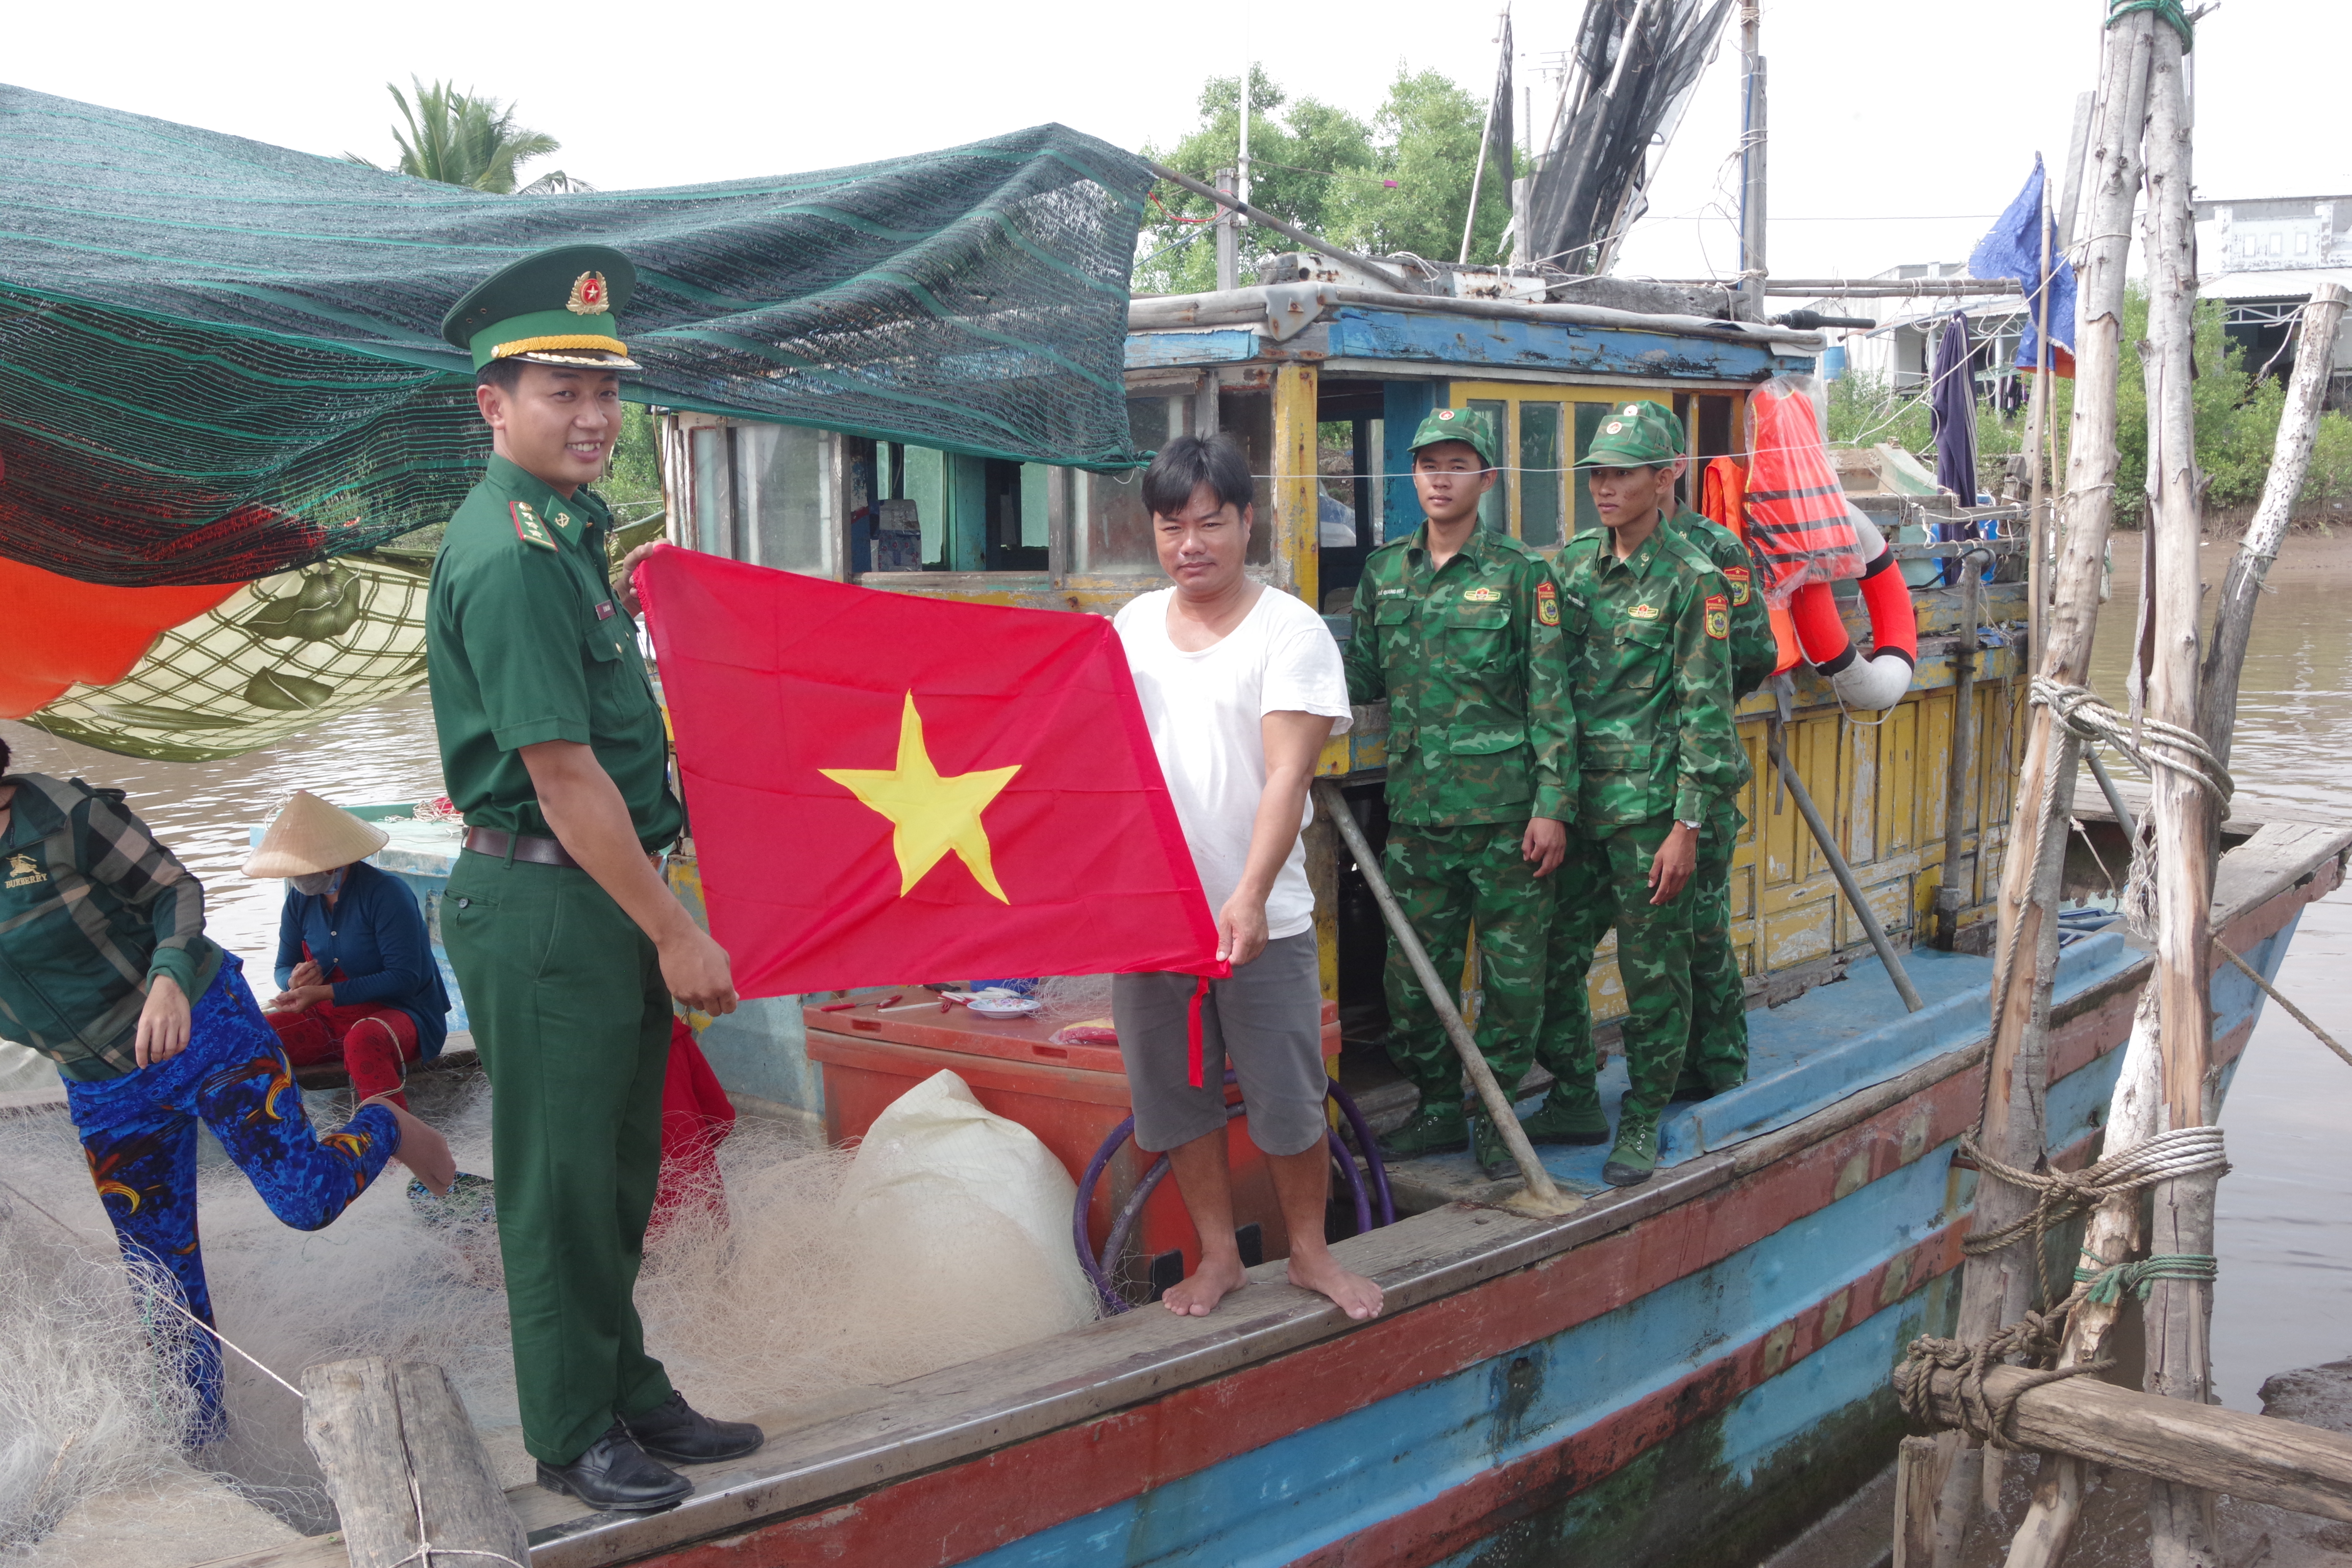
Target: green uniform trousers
1444, 878
1605, 882
572, 1021
1717, 1052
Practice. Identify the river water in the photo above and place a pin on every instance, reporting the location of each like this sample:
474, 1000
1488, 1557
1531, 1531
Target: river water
2285, 1212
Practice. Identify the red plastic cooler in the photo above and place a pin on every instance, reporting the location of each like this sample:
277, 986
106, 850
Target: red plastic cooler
1070, 1095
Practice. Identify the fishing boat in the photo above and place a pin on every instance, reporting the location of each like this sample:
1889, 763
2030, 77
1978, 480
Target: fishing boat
1685, 1372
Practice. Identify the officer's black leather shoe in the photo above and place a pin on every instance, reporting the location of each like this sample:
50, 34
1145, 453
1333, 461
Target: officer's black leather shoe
676, 1431
614, 1474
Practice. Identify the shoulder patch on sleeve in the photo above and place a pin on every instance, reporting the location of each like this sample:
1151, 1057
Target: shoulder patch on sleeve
1739, 579
1718, 616
1546, 604
526, 526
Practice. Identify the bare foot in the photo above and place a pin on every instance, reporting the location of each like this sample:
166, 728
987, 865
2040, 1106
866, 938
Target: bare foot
1209, 1284
424, 1151
1320, 1273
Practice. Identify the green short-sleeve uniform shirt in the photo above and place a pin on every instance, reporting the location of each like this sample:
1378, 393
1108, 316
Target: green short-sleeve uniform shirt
526, 644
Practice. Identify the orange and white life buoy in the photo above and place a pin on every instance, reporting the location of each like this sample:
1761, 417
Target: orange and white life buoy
1881, 679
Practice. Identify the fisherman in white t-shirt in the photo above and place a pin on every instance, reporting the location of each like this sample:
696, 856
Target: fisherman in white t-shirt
1241, 685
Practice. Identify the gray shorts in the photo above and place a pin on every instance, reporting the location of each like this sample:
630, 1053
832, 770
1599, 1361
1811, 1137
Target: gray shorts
1268, 1020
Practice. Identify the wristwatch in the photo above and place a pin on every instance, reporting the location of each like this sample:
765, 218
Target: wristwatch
1694, 827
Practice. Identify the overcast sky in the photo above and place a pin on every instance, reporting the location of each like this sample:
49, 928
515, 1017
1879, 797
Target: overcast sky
1898, 128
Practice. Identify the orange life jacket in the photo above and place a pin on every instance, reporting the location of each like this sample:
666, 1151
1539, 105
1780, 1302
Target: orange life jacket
1796, 507
1723, 490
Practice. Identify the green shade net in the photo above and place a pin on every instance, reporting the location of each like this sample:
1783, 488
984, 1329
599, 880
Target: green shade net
220, 360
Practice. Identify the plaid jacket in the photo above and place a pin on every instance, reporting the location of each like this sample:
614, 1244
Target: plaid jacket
91, 908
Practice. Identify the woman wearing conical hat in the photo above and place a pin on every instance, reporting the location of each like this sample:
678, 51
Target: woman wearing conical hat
357, 981
106, 970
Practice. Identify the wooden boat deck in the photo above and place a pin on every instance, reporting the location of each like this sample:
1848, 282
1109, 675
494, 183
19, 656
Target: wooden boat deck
874, 1464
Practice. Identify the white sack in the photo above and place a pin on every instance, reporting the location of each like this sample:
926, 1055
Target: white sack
965, 1200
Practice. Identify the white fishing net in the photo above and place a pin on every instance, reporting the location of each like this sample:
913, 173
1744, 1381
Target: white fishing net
798, 1302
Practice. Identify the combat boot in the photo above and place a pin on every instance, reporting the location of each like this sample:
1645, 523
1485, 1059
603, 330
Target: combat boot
1487, 1149
1437, 1128
1561, 1120
1635, 1158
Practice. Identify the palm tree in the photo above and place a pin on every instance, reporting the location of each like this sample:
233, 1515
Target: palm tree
462, 139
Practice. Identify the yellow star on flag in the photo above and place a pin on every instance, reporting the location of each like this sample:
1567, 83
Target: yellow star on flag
929, 815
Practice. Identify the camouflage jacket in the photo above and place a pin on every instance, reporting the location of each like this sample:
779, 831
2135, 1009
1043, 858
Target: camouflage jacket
1754, 650
1469, 659
1652, 681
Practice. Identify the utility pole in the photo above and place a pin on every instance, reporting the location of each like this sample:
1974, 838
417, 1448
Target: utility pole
1242, 189
1751, 159
1229, 238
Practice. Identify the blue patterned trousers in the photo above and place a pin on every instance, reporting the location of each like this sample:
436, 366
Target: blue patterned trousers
139, 1132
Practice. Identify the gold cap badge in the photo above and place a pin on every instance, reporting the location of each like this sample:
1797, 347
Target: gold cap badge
588, 295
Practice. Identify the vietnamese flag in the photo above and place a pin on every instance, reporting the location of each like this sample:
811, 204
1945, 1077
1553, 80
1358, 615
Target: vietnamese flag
885, 788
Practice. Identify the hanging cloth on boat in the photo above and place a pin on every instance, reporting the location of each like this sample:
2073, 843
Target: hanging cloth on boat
2014, 248
221, 359
1952, 420
1799, 526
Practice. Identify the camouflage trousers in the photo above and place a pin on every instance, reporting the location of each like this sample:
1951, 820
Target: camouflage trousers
1605, 882
1445, 879
1717, 1052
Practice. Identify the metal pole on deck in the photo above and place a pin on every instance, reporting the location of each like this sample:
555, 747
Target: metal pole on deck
1541, 1195
1778, 750
2038, 436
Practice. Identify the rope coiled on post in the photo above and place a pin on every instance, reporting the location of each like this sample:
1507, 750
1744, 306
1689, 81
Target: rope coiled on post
2148, 745
2033, 1336
2171, 10
2060, 1195
2107, 1286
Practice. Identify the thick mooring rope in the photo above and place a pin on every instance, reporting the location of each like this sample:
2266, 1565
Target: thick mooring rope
2105, 1287
2060, 1195
2034, 1337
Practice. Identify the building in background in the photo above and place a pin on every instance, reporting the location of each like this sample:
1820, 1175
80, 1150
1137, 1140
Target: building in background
2262, 258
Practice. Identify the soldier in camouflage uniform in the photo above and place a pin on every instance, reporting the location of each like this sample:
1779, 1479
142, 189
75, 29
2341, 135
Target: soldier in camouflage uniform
1652, 684
1717, 1058
1458, 627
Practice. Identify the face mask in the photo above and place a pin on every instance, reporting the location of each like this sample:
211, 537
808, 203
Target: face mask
318, 882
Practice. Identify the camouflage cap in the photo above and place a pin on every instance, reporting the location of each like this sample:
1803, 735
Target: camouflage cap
1470, 424
1635, 436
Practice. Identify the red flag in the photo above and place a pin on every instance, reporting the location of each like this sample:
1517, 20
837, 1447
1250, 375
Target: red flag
886, 788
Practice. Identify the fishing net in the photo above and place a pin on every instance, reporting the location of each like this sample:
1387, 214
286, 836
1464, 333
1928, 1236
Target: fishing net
275, 658
220, 359
803, 1301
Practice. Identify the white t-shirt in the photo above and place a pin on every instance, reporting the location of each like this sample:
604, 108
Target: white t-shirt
1203, 710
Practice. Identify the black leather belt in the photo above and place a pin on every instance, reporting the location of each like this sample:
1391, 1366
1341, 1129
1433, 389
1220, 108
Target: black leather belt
490, 841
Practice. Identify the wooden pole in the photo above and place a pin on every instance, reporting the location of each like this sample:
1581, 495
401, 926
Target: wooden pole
1228, 200
1752, 264
2037, 432
406, 1467
1959, 783
2234, 619
1994, 1286
2184, 818
2135, 1114
2255, 1458
1542, 1196
1918, 1477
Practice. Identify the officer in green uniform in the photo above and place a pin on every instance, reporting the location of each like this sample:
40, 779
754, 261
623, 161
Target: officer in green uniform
1652, 681
567, 943
1459, 628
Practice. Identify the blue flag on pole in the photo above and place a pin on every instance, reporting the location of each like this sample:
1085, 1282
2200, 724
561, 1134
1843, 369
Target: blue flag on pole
2013, 249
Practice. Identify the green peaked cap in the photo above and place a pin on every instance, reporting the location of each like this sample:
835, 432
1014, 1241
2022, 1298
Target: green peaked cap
1635, 436
1470, 425
558, 306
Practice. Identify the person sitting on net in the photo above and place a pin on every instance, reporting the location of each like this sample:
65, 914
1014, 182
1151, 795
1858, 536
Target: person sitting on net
105, 969
357, 982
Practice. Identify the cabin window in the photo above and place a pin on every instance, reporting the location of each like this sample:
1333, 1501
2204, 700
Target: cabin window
950, 511
1541, 483
1495, 506
761, 494
1115, 535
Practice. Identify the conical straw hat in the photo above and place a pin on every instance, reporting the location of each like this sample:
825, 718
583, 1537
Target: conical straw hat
310, 836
